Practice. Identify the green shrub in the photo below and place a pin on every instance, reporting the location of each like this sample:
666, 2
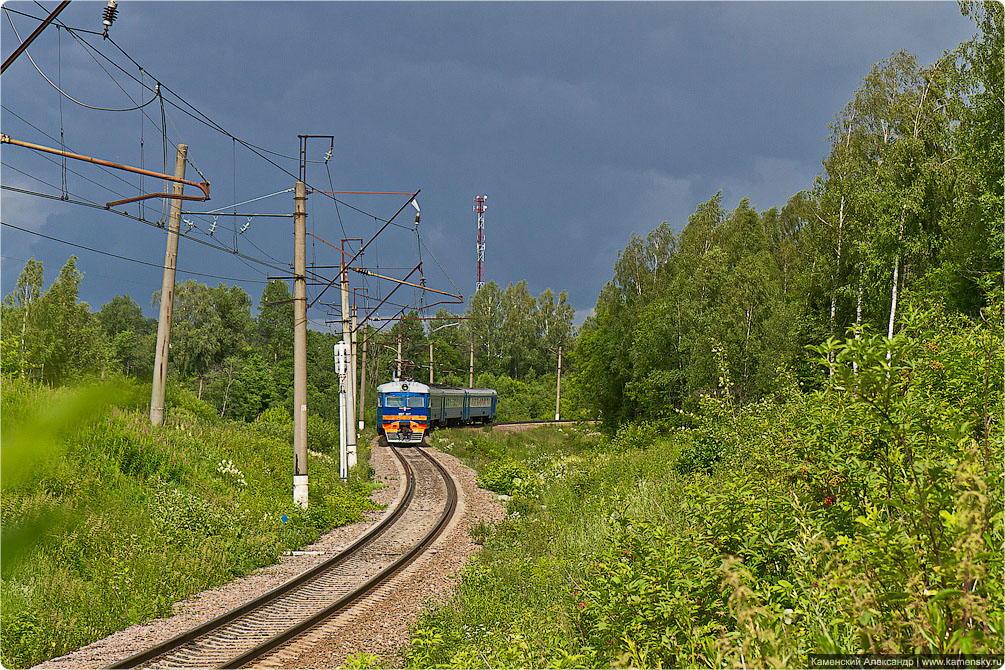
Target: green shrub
866, 517
641, 435
698, 454
177, 396
322, 435
276, 414
107, 520
507, 477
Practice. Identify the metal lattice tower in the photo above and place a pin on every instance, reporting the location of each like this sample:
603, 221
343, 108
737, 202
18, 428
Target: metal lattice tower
479, 209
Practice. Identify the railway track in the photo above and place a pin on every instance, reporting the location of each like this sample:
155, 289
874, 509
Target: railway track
255, 629
542, 422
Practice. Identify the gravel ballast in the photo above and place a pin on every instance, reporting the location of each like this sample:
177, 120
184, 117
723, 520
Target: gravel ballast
379, 626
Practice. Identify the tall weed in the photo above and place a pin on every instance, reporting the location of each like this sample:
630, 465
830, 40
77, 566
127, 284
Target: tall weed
108, 521
863, 518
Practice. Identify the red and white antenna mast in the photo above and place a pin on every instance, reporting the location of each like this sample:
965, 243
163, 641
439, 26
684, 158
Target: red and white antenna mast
479, 209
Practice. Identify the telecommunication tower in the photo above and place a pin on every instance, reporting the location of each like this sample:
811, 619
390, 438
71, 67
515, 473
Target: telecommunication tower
479, 209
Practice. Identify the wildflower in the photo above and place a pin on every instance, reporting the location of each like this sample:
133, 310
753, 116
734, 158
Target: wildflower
829, 500
582, 605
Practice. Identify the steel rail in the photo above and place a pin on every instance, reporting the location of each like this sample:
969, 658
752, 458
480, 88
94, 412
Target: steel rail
226, 618
540, 422
360, 592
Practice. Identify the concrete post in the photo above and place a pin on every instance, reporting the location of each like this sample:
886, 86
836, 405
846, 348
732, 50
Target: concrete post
300, 346
558, 388
399, 350
351, 391
167, 294
362, 385
350, 420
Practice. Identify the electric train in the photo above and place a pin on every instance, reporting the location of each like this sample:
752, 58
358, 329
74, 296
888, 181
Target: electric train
408, 410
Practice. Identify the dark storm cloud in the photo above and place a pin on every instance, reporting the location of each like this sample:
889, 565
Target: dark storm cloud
583, 122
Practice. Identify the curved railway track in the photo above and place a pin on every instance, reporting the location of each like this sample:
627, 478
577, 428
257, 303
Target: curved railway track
253, 630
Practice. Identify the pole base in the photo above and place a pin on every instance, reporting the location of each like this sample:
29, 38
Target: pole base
300, 491
361, 425
350, 455
556, 417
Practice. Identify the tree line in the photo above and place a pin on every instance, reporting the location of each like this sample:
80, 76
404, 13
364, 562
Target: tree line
909, 205
241, 364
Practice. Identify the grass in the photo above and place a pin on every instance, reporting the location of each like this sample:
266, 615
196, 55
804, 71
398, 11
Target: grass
108, 521
863, 519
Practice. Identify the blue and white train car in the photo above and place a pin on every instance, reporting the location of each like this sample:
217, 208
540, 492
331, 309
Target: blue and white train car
406, 410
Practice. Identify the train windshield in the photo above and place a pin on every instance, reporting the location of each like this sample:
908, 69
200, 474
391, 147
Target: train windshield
416, 401
393, 401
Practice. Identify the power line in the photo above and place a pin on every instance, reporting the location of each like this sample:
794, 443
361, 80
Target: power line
85, 178
90, 273
62, 92
196, 114
126, 258
439, 266
55, 139
145, 221
31, 176
38, 18
203, 118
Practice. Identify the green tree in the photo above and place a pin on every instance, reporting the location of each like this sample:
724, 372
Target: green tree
972, 260
900, 173
553, 322
69, 335
450, 348
122, 313
130, 334
518, 331
207, 326
484, 325
18, 313
274, 326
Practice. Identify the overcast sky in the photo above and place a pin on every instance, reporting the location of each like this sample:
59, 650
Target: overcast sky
582, 122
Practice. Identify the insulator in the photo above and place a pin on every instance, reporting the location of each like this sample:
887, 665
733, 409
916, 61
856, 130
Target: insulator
110, 13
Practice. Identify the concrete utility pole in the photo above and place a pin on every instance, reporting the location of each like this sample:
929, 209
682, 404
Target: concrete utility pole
471, 368
362, 384
167, 293
300, 346
430, 362
352, 387
399, 350
558, 388
350, 420
340, 368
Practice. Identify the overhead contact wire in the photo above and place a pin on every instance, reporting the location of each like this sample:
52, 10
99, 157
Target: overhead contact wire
125, 258
144, 221
66, 95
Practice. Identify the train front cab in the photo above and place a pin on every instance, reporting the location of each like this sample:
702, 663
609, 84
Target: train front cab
403, 411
